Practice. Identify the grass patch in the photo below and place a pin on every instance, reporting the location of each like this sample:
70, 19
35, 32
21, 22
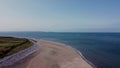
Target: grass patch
11, 45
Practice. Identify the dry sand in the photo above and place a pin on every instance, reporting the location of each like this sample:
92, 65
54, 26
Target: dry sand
52, 55
57, 55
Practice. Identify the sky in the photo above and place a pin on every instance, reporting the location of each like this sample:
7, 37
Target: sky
60, 15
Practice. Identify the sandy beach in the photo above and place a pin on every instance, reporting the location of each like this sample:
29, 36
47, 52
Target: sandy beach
52, 55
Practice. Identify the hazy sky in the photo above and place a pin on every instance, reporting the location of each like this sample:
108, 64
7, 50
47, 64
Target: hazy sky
60, 15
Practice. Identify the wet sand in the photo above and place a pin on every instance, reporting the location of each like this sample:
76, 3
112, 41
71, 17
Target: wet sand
53, 55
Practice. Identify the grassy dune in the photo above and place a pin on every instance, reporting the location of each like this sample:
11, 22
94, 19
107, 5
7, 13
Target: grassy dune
11, 45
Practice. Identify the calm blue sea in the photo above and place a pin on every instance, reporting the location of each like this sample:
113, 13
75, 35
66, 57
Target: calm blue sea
102, 49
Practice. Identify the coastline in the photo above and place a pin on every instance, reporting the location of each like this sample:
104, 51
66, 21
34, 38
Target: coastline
78, 60
85, 58
77, 51
53, 54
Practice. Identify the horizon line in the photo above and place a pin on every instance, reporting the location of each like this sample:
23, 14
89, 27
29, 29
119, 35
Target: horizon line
66, 31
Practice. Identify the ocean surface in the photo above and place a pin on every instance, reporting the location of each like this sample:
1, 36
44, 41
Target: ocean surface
102, 49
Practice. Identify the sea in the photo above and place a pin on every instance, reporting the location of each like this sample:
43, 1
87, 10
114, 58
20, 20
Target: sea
101, 49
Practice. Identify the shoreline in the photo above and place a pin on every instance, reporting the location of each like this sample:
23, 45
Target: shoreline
77, 51
75, 58
52, 54
85, 59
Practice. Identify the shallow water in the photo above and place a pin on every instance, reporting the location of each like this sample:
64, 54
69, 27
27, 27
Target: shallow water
102, 49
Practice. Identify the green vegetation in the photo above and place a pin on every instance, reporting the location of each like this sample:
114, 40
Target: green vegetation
11, 45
